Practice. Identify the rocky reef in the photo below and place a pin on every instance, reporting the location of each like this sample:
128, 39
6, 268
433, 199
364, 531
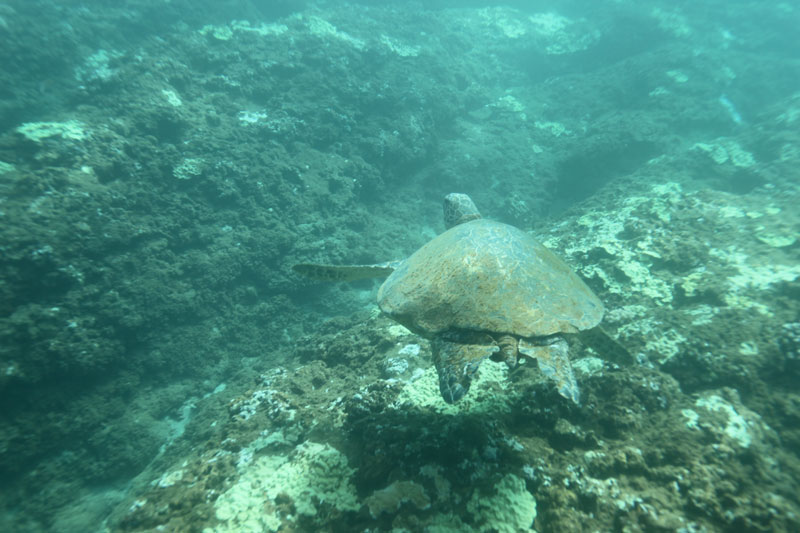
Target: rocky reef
164, 164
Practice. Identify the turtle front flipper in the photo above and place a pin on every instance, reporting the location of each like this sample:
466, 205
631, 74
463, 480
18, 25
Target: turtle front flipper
457, 363
553, 360
345, 272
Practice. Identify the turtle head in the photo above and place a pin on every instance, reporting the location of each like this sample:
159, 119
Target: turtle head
459, 208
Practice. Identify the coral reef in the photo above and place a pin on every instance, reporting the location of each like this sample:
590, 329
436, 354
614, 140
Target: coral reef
163, 164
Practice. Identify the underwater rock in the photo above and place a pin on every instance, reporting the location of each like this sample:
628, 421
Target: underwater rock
390, 499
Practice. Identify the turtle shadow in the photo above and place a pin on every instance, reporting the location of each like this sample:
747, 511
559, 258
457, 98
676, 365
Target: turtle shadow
395, 444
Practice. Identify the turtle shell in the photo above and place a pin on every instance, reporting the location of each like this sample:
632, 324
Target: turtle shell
488, 276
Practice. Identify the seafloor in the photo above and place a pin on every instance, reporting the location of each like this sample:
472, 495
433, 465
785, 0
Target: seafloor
163, 164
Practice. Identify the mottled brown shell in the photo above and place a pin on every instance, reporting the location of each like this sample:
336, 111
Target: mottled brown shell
488, 276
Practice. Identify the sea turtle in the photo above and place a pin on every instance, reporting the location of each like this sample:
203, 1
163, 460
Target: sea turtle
483, 289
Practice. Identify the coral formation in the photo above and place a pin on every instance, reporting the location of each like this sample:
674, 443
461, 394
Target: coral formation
314, 475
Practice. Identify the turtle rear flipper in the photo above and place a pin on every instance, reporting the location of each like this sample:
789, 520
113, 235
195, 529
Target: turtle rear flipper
553, 360
457, 363
606, 346
344, 272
